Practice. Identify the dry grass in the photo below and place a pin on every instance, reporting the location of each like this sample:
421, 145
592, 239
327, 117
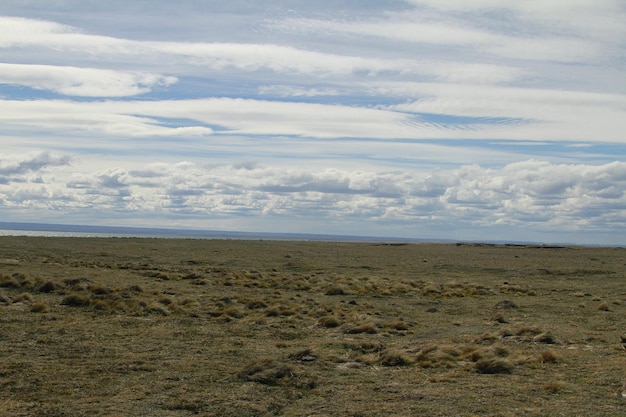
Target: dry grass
113, 327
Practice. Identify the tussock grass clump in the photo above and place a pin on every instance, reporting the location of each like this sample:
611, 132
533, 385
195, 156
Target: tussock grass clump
255, 304
9, 282
394, 357
431, 290
545, 337
554, 386
363, 347
76, 300
157, 274
166, 301
493, 366
548, 356
100, 290
48, 287
4, 298
304, 356
329, 321
335, 291
194, 406
505, 305
231, 312
516, 289
367, 327
157, 308
23, 297
396, 324
476, 354
281, 310
528, 331
39, 307
266, 371
77, 284
135, 288
499, 318
487, 337
435, 356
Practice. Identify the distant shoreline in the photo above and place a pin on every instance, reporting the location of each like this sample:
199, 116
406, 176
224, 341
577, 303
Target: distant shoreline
84, 231
65, 230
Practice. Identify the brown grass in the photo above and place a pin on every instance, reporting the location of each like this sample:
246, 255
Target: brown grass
259, 328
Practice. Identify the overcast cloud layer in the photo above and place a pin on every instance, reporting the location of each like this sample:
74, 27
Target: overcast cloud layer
436, 119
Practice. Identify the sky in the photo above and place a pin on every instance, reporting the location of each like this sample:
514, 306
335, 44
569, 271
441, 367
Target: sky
428, 119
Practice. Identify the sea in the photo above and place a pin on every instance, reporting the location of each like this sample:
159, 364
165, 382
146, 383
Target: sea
69, 230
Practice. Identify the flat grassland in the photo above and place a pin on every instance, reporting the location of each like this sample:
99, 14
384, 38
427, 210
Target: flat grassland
164, 327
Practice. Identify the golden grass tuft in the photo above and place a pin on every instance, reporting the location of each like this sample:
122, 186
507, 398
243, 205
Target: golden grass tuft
22, 298
396, 324
548, 356
554, 386
76, 300
367, 327
39, 307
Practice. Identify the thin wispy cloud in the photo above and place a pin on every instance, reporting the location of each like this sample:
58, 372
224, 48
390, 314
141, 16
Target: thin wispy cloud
420, 118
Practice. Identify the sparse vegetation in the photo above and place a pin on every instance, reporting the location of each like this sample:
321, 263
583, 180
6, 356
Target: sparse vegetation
234, 328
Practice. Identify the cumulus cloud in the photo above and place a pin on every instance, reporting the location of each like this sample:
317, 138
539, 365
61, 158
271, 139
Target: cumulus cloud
536, 193
21, 168
85, 82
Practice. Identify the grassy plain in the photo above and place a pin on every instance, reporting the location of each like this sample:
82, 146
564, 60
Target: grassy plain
159, 327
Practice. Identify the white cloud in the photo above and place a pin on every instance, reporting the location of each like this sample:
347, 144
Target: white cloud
535, 113
395, 117
241, 56
22, 168
539, 194
510, 113
293, 91
582, 32
86, 82
238, 116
